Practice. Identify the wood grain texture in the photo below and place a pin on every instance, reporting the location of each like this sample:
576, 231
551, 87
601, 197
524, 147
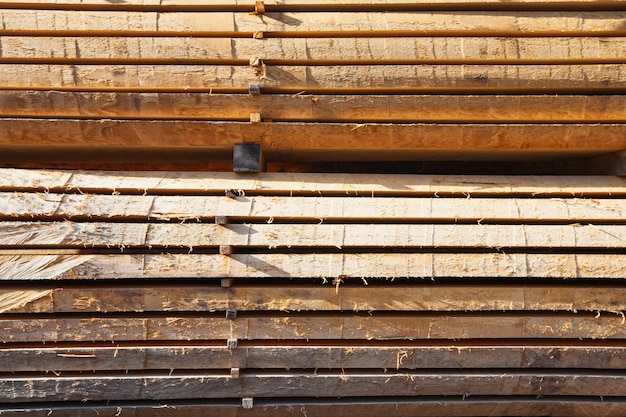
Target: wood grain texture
420, 297
286, 236
324, 140
406, 383
322, 184
320, 209
118, 357
363, 109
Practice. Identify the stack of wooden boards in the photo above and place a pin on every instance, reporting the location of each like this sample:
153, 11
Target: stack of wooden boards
442, 296
194, 293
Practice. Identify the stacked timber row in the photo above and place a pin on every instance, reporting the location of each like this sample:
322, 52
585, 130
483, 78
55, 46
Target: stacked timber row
140, 292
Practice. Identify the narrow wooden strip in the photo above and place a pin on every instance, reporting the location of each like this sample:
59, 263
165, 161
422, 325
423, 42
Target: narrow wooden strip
373, 407
408, 140
59, 206
319, 183
296, 327
446, 50
440, 297
603, 108
186, 23
25, 76
331, 384
23, 235
459, 356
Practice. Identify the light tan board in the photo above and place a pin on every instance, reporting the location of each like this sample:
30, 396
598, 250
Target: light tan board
420, 22
450, 78
544, 108
318, 50
116, 357
440, 297
319, 209
332, 384
146, 182
22, 235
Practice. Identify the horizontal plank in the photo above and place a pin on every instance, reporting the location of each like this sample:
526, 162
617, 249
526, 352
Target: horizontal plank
306, 327
322, 384
461, 356
318, 50
541, 108
261, 208
451, 78
372, 407
440, 297
283, 140
106, 235
556, 23
158, 182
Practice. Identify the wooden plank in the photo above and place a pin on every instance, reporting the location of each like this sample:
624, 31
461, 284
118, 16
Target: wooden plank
151, 23
460, 356
81, 235
322, 384
440, 297
447, 78
434, 407
309, 327
317, 50
541, 108
261, 208
145, 182
283, 140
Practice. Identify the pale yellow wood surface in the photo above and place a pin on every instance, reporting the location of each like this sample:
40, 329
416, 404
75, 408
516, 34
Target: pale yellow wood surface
438, 108
286, 236
297, 297
182, 77
261, 208
420, 23
369, 185
314, 51
322, 140
69, 265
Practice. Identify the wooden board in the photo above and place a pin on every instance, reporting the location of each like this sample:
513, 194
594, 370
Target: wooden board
313, 51
364, 109
332, 384
286, 236
420, 297
198, 327
318, 209
326, 139
564, 79
321, 184
119, 356
420, 23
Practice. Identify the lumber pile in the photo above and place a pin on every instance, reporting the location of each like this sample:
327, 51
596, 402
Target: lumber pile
140, 276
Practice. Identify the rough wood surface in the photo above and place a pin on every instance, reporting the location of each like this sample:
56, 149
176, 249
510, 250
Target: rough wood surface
439, 297
323, 384
461, 356
542, 108
180, 183
553, 23
434, 407
314, 51
286, 236
449, 78
315, 326
320, 209
323, 140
